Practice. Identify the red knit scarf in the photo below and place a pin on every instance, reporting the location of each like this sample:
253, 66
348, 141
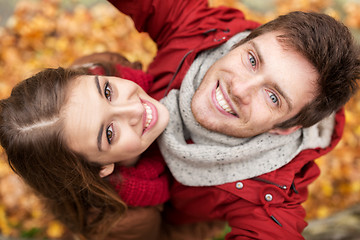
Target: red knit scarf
145, 184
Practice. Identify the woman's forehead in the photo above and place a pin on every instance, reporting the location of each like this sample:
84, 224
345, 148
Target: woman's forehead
81, 116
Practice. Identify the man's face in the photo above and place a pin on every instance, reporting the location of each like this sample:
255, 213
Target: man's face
254, 87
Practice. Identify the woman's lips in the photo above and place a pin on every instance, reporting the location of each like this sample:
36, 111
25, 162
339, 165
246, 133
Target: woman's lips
150, 115
222, 102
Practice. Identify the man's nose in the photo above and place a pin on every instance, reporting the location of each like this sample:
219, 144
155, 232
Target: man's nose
244, 89
131, 111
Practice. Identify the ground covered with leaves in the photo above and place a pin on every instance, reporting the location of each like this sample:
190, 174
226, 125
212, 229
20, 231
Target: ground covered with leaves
44, 34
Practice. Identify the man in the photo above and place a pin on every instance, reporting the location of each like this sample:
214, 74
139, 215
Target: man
252, 106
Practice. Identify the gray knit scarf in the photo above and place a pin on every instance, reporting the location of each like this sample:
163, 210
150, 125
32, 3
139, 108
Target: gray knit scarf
215, 158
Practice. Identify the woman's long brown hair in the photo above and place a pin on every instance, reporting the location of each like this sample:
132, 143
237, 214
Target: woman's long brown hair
31, 134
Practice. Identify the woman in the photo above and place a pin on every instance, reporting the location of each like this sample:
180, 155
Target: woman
95, 182
44, 133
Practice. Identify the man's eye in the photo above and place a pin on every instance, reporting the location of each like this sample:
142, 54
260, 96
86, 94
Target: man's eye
273, 97
107, 91
109, 133
252, 60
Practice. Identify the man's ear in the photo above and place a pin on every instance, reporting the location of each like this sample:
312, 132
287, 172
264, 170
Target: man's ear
284, 131
106, 170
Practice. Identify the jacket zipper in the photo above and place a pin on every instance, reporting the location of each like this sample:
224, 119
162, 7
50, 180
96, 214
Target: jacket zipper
176, 72
284, 187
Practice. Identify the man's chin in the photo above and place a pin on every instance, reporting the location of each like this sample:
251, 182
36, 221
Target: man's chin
226, 129
214, 127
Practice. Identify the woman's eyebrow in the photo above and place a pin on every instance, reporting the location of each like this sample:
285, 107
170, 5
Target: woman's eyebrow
98, 84
99, 137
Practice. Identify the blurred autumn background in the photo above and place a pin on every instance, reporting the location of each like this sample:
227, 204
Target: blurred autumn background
51, 33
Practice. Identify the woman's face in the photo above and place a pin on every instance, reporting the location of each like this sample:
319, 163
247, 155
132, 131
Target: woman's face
110, 119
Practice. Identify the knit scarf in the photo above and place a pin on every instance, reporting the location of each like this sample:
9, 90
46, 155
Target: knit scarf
145, 184
215, 158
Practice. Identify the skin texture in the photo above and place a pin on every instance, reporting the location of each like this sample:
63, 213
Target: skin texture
105, 119
261, 83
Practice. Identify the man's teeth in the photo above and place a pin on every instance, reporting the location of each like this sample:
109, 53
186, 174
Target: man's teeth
148, 115
222, 102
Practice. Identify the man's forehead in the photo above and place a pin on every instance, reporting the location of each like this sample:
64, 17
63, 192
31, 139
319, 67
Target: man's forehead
295, 78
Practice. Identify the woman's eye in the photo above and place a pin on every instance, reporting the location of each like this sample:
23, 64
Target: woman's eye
252, 60
273, 97
110, 133
107, 91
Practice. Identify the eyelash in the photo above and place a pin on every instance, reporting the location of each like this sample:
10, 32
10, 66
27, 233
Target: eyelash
107, 91
271, 94
252, 60
110, 133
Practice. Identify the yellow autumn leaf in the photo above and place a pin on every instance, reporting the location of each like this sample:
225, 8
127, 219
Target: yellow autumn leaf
55, 229
4, 225
322, 212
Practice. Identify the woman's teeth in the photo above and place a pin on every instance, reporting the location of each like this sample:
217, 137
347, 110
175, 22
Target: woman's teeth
148, 115
222, 102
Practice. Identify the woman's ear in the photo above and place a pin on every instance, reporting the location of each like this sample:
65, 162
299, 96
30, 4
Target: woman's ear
284, 131
106, 170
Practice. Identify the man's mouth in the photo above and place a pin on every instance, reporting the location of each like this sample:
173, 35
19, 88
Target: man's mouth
222, 101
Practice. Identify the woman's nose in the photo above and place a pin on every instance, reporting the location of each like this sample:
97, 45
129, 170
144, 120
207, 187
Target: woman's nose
131, 111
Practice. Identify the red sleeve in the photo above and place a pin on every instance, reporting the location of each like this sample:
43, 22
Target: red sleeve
181, 29
174, 20
139, 11
161, 19
144, 80
141, 78
253, 222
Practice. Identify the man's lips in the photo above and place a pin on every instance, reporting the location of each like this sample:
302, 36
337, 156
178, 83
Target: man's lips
150, 115
222, 101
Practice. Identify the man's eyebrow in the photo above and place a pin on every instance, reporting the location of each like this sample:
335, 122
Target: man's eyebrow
99, 137
285, 96
258, 53
276, 86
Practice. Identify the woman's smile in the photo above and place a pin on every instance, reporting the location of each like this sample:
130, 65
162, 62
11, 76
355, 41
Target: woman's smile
150, 115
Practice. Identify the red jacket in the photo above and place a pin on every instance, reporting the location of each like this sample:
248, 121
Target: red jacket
265, 207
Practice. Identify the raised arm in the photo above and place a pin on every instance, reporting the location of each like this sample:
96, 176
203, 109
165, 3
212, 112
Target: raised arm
181, 29
161, 19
